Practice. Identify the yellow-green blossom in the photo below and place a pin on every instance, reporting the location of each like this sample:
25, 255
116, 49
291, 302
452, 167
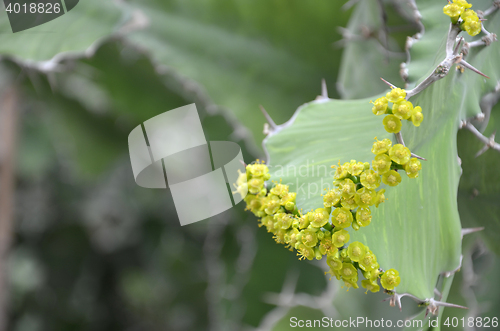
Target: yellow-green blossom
392, 124
331, 198
390, 279
380, 197
391, 178
363, 216
413, 167
370, 285
340, 238
417, 117
356, 251
342, 217
320, 218
381, 146
380, 106
365, 197
400, 154
370, 179
402, 109
382, 163
396, 95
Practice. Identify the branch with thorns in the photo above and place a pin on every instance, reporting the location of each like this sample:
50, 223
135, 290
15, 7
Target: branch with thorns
455, 52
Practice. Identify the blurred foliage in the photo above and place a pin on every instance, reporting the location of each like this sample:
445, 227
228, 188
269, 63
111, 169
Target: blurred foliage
93, 251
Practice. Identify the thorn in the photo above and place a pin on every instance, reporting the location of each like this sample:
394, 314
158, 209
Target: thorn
436, 292
446, 304
392, 86
455, 51
491, 143
492, 138
244, 164
468, 66
324, 91
396, 299
418, 157
268, 119
482, 150
471, 230
348, 5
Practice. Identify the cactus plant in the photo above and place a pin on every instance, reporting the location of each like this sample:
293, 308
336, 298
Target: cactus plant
418, 231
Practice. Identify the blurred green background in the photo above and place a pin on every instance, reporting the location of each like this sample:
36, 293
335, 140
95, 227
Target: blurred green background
91, 250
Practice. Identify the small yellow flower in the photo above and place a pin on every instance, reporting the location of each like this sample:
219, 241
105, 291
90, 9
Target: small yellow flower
347, 187
349, 203
396, 95
402, 109
380, 197
334, 262
327, 247
417, 117
342, 217
341, 171
255, 185
381, 146
453, 10
320, 218
331, 198
370, 179
400, 154
280, 190
462, 3
271, 204
363, 216
340, 238
391, 178
472, 26
305, 252
258, 170
309, 237
348, 271
370, 285
368, 262
390, 279
364, 197
392, 124
413, 167
382, 163
350, 283
380, 106
469, 14
356, 168
356, 251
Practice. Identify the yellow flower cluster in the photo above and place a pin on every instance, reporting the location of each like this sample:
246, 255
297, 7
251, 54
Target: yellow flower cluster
322, 232
459, 11
401, 110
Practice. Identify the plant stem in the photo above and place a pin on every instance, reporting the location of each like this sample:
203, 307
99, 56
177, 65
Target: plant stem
9, 114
